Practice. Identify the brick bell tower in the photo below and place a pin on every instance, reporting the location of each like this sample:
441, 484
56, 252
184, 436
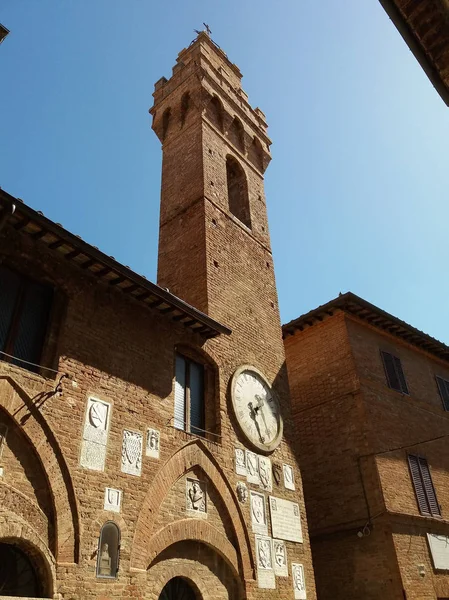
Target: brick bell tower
214, 245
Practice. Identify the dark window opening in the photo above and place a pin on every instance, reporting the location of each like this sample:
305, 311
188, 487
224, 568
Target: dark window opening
395, 374
108, 555
189, 414
424, 490
185, 105
214, 113
255, 154
165, 122
24, 314
237, 191
443, 386
236, 135
177, 589
18, 577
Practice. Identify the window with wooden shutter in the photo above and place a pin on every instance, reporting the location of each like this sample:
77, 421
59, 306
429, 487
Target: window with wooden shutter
394, 373
24, 314
424, 490
443, 386
189, 413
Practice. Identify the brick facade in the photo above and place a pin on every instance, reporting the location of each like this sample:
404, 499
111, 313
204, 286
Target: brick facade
368, 536
112, 342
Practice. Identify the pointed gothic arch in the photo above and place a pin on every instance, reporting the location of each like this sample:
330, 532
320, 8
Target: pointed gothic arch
17, 403
237, 191
192, 455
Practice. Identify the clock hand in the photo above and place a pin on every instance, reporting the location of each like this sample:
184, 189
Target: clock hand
260, 403
253, 414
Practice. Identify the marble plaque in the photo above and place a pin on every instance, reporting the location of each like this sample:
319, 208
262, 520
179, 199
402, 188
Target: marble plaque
280, 558
1, 471
242, 492
240, 462
439, 549
299, 582
252, 467
289, 477
265, 474
112, 500
153, 443
258, 513
92, 455
96, 424
196, 498
3, 432
95, 434
132, 452
264, 557
285, 519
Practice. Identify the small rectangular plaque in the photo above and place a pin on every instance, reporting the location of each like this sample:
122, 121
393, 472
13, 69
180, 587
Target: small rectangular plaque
112, 500
264, 556
299, 582
252, 467
258, 513
289, 477
280, 558
265, 474
132, 452
153, 443
285, 519
240, 462
439, 549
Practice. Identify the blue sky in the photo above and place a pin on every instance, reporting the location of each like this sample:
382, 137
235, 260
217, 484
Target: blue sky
357, 188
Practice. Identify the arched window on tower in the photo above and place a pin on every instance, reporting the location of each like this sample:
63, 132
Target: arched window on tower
236, 135
214, 113
255, 154
185, 105
108, 551
165, 122
237, 191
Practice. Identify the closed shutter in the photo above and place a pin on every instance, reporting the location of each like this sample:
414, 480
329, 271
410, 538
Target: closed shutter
413, 462
422, 482
443, 386
428, 488
32, 325
395, 374
9, 293
180, 393
196, 398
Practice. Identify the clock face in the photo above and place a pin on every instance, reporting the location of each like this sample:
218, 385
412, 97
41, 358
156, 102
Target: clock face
256, 408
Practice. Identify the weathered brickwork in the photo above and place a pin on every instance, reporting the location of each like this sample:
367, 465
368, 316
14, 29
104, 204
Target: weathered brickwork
354, 434
122, 353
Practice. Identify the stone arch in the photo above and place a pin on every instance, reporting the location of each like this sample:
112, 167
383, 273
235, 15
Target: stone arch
193, 529
24, 411
185, 106
236, 134
184, 572
191, 455
15, 530
255, 154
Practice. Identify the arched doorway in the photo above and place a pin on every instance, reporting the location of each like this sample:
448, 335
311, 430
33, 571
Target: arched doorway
178, 589
18, 576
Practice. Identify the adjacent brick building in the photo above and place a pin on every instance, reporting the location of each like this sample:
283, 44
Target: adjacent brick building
370, 401
142, 454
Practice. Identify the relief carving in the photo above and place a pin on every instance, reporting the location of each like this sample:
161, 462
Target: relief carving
196, 496
153, 443
132, 452
242, 492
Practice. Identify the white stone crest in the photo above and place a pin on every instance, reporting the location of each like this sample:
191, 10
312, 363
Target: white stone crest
289, 477
264, 557
299, 582
258, 513
280, 558
242, 492
153, 443
196, 501
252, 467
132, 452
112, 499
240, 463
95, 434
265, 474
